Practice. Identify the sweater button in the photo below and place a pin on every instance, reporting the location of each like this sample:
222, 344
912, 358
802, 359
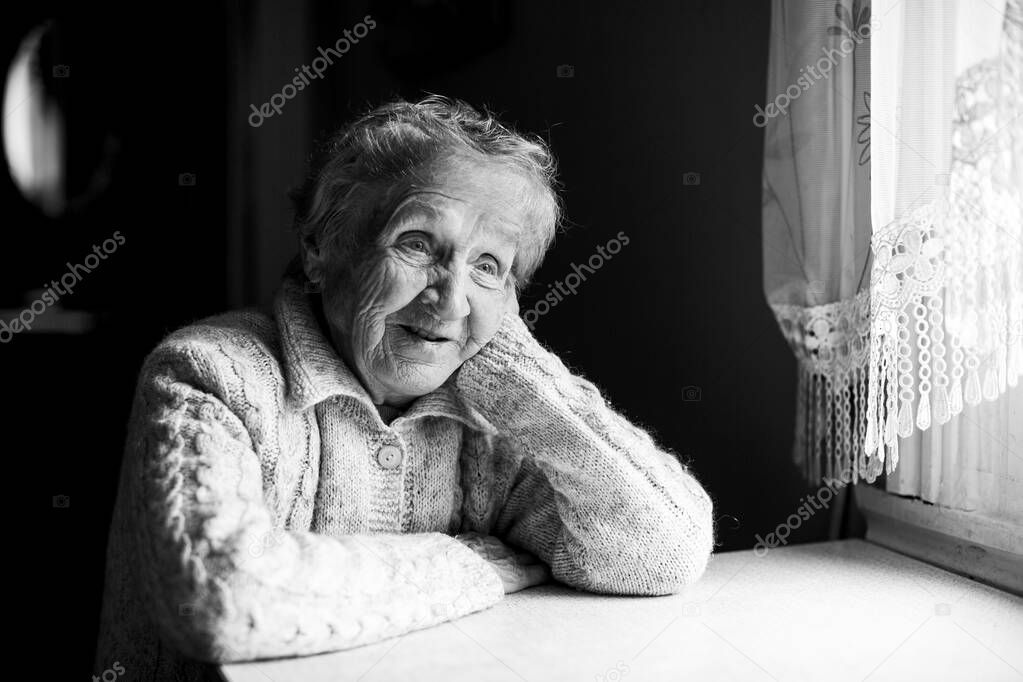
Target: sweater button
389, 457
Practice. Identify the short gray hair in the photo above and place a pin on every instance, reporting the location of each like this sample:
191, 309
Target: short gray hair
344, 196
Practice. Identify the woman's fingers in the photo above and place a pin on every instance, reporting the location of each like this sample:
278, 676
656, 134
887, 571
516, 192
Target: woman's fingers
525, 575
518, 569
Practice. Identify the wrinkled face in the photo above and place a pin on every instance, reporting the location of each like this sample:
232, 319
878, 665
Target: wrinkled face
436, 284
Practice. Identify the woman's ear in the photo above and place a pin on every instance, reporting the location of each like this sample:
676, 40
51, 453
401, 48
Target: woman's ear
314, 260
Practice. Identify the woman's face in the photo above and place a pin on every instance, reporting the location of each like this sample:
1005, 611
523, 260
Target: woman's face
434, 287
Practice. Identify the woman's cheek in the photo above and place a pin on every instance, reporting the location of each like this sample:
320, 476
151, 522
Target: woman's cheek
487, 313
399, 283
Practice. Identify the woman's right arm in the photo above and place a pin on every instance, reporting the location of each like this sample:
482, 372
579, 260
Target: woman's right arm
198, 510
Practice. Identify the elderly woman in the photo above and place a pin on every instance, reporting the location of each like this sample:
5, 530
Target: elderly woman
389, 448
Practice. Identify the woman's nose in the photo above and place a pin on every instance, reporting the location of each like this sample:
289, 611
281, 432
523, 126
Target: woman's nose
446, 296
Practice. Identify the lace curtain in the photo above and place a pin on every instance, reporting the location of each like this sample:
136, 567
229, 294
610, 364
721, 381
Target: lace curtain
899, 328
816, 219
947, 185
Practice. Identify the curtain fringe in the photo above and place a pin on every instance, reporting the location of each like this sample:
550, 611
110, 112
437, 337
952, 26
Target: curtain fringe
831, 344
831, 425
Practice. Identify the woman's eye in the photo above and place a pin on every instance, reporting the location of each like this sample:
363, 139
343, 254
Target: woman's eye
416, 244
488, 266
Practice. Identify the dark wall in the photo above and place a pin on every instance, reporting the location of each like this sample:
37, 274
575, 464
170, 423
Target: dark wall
654, 136
155, 91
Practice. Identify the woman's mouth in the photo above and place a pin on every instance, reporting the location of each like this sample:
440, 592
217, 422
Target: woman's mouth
423, 333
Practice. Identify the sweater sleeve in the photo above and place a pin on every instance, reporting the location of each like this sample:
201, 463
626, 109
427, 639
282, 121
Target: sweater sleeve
222, 583
594, 496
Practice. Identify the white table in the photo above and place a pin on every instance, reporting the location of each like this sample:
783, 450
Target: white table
845, 610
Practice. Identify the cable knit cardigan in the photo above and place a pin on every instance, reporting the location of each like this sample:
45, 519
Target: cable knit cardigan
266, 510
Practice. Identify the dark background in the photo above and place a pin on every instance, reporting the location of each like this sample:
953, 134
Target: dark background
659, 90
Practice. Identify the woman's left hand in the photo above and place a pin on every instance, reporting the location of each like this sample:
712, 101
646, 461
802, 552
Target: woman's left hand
518, 570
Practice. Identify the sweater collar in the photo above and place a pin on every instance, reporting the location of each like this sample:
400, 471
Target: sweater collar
316, 372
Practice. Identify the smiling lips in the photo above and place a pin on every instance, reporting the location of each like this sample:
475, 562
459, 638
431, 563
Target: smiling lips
423, 333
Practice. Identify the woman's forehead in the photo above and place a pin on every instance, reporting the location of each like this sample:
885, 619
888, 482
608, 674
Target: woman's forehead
488, 185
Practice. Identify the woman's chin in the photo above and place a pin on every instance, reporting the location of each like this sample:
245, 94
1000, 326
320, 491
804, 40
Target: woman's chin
412, 376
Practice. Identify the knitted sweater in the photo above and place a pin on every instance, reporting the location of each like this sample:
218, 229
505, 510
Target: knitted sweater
265, 509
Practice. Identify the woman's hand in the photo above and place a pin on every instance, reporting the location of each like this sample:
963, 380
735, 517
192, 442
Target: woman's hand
518, 570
